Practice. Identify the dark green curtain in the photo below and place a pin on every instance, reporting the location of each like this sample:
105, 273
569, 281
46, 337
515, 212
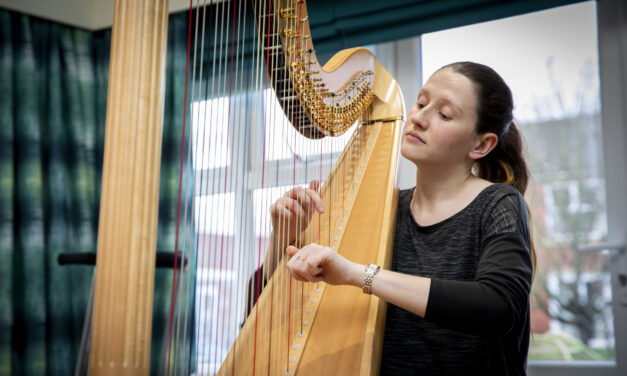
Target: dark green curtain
51, 127
336, 25
53, 88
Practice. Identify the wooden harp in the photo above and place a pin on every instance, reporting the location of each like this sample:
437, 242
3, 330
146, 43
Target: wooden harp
293, 328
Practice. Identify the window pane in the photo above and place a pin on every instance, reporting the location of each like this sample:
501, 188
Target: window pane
550, 61
210, 127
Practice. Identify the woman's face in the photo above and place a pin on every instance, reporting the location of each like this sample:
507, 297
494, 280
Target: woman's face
440, 126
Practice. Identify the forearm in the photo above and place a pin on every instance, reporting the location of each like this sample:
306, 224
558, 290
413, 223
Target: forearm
406, 291
483, 310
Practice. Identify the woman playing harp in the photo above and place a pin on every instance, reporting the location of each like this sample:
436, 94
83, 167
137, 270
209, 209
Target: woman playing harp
462, 264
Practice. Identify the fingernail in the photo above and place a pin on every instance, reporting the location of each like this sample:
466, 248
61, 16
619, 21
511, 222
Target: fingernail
320, 208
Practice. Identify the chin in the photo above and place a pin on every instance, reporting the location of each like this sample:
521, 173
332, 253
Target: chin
410, 153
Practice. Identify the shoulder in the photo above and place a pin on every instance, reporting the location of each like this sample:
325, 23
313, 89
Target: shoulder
503, 211
499, 194
404, 197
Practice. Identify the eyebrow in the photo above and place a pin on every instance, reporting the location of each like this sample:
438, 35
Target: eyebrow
458, 109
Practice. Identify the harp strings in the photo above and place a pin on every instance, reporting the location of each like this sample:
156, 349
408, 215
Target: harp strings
235, 141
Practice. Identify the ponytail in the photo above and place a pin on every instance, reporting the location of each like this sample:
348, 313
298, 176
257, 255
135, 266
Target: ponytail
506, 164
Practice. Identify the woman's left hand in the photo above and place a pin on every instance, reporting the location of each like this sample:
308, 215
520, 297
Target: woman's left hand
314, 263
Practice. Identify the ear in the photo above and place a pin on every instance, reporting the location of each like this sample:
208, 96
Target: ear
483, 145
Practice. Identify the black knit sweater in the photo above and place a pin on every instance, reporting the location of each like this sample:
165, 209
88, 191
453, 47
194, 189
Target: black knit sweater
477, 317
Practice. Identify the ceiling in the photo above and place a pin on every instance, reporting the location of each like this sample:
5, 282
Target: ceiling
87, 14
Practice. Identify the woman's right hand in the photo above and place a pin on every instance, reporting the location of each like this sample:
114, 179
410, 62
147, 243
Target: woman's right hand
292, 212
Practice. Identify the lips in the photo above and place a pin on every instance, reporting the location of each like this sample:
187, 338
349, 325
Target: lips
413, 137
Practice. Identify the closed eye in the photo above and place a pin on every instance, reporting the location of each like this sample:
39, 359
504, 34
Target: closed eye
444, 117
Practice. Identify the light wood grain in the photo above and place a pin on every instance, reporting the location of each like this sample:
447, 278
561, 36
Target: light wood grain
122, 317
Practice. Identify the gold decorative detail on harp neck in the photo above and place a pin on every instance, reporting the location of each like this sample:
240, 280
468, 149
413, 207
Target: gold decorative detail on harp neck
288, 13
290, 32
332, 119
295, 51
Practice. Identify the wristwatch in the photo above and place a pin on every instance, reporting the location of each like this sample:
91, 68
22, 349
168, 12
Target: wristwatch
371, 270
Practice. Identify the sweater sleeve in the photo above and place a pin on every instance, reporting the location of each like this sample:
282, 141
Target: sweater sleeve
256, 284
498, 298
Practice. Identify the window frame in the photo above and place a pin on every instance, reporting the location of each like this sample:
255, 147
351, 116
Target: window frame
612, 42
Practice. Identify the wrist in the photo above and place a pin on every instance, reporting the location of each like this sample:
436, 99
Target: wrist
369, 272
358, 271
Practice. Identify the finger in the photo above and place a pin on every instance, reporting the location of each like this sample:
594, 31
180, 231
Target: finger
304, 270
291, 250
298, 271
279, 211
299, 277
301, 196
313, 269
314, 185
315, 199
294, 272
309, 199
293, 206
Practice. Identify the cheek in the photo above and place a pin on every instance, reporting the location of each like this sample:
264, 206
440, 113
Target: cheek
452, 137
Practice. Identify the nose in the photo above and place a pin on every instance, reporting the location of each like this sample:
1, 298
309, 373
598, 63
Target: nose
418, 117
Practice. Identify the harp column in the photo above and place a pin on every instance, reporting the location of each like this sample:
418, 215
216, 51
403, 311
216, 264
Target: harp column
123, 297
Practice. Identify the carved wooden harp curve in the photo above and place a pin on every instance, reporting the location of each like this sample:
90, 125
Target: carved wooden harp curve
318, 330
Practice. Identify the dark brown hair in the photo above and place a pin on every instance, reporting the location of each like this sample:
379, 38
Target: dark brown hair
495, 105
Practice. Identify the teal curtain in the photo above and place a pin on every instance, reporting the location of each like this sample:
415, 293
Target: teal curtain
51, 151
53, 90
336, 25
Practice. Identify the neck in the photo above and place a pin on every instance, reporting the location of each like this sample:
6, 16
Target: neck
434, 183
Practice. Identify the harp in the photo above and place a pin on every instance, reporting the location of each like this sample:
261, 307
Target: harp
292, 327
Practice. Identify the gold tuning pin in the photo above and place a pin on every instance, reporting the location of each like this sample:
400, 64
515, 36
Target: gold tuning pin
290, 32
288, 13
295, 51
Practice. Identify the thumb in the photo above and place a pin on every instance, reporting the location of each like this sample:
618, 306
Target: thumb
291, 250
315, 185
